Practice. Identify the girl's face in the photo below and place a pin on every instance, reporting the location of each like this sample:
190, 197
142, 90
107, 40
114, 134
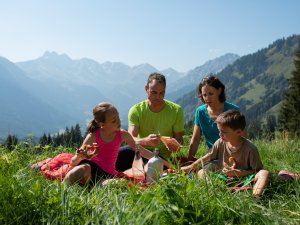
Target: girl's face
210, 94
112, 121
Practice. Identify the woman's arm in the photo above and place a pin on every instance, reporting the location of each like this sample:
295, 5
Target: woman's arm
195, 140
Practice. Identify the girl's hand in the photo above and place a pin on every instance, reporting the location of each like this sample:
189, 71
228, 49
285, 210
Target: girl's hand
94, 150
81, 153
88, 151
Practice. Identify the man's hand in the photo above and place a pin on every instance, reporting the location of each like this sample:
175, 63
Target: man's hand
153, 140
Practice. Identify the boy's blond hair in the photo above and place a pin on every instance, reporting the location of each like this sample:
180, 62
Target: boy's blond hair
233, 119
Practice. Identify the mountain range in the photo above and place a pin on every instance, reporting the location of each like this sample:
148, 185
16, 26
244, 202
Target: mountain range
257, 82
47, 94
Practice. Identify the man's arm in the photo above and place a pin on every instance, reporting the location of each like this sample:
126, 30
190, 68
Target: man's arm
150, 140
179, 137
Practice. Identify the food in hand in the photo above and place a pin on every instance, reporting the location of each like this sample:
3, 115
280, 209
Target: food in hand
171, 143
94, 149
230, 166
88, 151
232, 162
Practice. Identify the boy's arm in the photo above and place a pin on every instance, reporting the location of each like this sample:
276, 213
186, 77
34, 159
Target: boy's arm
197, 164
237, 173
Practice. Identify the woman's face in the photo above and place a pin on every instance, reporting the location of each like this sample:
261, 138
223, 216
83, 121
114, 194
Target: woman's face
210, 94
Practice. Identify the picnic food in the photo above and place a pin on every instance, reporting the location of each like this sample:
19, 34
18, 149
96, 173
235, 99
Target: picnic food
88, 150
232, 162
171, 143
231, 166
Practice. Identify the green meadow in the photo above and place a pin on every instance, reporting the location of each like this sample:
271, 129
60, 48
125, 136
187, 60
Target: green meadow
26, 197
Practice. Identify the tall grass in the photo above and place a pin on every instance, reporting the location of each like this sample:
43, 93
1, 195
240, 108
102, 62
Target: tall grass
26, 197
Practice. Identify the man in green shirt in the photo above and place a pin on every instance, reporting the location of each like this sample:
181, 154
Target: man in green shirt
150, 119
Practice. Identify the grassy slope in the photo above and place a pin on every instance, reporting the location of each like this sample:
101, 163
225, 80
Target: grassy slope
27, 198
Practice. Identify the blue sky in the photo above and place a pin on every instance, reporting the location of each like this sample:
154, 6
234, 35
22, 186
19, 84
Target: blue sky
164, 33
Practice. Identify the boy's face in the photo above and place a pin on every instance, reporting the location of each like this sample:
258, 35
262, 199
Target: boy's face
228, 134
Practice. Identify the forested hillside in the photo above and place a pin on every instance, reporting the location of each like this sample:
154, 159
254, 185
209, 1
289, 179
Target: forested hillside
256, 82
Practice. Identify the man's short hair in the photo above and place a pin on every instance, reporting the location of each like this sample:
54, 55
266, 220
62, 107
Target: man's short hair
233, 119
157, 76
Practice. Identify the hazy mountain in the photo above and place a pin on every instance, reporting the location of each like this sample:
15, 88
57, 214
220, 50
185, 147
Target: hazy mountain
255, 82
22, 112
113, 82
67, 90
60, 91
190, 81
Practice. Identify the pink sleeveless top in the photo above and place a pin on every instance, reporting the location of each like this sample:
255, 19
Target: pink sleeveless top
108, 153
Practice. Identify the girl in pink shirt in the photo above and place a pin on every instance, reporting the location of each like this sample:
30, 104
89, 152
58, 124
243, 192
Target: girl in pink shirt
103, 129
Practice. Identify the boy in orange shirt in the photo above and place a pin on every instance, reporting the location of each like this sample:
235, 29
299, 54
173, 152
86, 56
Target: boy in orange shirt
232, 154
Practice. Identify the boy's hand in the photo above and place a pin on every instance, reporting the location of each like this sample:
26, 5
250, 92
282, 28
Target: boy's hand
235, 172
187, 169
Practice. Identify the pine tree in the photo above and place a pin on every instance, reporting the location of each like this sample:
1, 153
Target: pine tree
43, 140
77, 135
289, 116
11, 141
49, 140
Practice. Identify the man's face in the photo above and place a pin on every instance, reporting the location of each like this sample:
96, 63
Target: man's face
156, 92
